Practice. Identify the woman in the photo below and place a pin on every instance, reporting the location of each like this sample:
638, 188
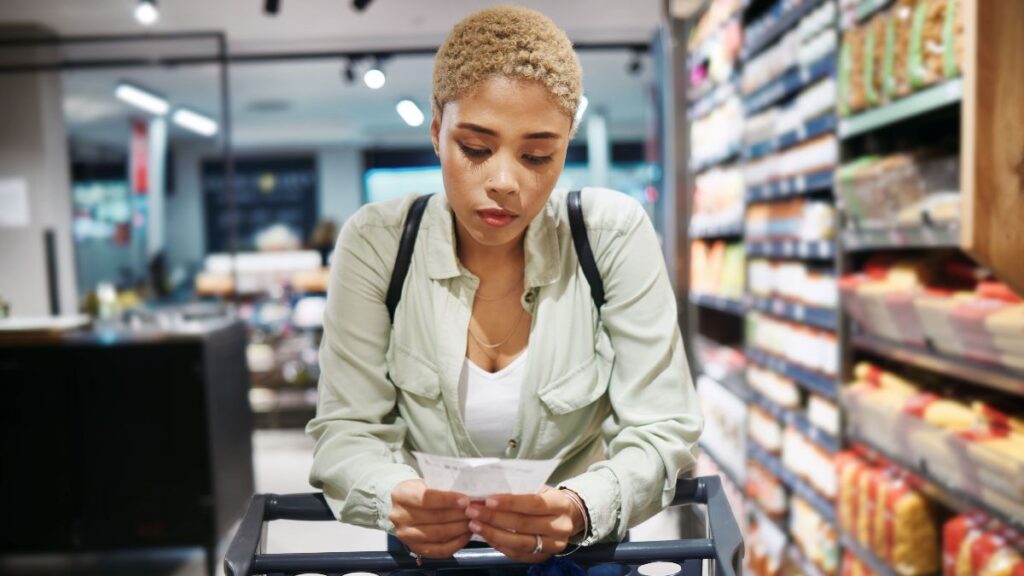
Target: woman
496, 347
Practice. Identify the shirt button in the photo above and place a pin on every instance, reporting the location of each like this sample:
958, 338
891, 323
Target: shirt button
513, 444
529, 297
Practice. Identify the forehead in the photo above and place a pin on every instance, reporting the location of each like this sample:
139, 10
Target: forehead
527, 105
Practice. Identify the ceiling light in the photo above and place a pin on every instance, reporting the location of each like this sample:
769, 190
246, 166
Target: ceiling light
271, 7
360, 5
410, 112
141, 99
581, 108
146, 12
349, 72
374, 78
195, 122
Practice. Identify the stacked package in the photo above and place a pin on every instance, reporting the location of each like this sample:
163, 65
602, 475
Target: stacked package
717, 199
814, 535
935, 302
812, 39
717, 269
966, 443
809, 157
719, 133
880, 509
766, 490
777, 388
797, 343
792, 281
913, 45
810, 462
717, 37
852, 566
973, 545
799, 218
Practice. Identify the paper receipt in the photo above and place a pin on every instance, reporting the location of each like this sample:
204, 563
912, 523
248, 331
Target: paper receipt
479, 478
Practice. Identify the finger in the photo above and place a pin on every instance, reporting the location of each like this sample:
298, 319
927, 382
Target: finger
522, 558
433, 533
503, 538
420, 516
545, 503
555, 525
442, 550
439, 499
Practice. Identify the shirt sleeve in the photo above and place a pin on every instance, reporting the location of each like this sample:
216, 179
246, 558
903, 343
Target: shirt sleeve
656, 417
359, 435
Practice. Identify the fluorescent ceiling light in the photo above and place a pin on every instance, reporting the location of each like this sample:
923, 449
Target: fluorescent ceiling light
195, 122
374, 78
581, 108
146, 12
410, 112
142, 99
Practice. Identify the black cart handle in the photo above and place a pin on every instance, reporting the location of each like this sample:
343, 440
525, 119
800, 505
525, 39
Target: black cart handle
245, 555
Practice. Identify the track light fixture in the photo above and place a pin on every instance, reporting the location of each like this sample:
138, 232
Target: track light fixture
349, 72
146, 12
360, 5
272, 7
636, 63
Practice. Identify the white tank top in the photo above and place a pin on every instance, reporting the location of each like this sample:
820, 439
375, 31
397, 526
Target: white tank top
490, 404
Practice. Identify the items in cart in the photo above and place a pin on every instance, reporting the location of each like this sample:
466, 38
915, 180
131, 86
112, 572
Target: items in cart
793, 218
913, 45
881, 510
814, 535
966, 443
900, 189
718, 199
812, 156
792, 281
804, 346
717, 135
717, 269
974, 545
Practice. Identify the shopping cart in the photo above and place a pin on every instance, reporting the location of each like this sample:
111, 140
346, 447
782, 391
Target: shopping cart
245, 555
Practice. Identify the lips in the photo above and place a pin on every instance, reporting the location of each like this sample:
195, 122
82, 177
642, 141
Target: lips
497, 217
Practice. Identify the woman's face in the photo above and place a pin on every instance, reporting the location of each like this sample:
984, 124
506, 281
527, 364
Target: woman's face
502, 149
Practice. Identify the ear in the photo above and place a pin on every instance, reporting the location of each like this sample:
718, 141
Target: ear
435, 133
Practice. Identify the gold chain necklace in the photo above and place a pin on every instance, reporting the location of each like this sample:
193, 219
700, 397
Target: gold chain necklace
482, 344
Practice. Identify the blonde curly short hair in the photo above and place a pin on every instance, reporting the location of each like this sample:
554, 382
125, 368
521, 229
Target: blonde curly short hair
507, 41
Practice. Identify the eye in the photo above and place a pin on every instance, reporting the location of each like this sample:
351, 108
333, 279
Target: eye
536, 160
474, 152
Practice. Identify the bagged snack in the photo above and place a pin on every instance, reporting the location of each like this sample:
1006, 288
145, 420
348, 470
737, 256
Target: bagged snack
858, 91
954, 533
911, 531
927, 53
901, 18
874, 55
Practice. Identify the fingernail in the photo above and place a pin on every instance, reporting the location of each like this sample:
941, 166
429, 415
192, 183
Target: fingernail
492, 503
463, 502
474, 527
472, 512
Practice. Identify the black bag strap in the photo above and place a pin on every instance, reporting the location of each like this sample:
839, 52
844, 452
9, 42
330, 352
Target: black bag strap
583, 252
580, 241
405, 248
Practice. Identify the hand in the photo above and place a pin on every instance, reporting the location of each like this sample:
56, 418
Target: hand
510, 523
431, 523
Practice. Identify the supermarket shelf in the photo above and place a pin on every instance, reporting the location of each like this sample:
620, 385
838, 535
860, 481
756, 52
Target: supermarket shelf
729, 156
785, 23
810, 380
729, 230
927, 100
715, 98
797, 557
806, 131
703, 50
903, 238
933, 487
825, 318
877, 566
790, 82
753, 507
792, 249
790, 187
797, 486
729, 472
974, 372
797, 419
721, 304
734, 383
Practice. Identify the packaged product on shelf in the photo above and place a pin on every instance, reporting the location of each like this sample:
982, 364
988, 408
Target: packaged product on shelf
914, 188
976, 546
765, 489
902, 17
717, 199
718, 134
929, 55
773, 386
765, 546
717, 269
852, 566
809, 461
874, 54
852, 71
849, 469
794, 281
764, 430
823, 414
807, 347
725, 417
909, 531
814, 535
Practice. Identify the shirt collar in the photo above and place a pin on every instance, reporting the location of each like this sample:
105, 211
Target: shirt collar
543, 253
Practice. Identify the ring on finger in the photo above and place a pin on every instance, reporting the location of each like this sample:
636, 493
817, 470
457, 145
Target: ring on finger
540, 545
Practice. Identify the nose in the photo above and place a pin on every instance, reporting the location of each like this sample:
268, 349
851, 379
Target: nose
502, 179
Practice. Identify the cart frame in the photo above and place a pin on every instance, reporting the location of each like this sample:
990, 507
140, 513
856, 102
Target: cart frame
246, 557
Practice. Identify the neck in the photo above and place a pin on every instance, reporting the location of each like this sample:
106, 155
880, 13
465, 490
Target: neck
488, 261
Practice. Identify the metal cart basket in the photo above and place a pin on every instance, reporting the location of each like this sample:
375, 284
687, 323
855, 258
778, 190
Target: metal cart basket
245, 557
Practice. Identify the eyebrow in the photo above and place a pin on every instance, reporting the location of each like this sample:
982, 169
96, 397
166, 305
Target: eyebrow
489, 132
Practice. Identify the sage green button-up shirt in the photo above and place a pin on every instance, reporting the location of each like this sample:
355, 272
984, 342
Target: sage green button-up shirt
609, 395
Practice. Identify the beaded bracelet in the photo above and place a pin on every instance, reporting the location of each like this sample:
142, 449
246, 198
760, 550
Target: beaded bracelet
578, 502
